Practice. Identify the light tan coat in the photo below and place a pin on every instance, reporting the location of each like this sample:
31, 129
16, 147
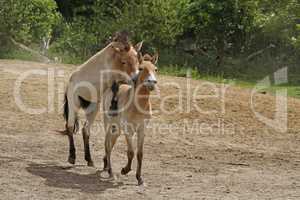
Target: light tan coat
134, 113
116, 62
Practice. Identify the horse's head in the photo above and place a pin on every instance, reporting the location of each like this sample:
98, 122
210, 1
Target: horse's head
127, 58
147, 74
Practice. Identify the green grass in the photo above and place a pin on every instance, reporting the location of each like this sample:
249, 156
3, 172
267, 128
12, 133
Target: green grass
13, 53
292, 90
65, 57
194, 73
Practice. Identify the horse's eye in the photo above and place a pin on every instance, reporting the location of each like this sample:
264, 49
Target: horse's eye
156, 70
140, 68
123, 63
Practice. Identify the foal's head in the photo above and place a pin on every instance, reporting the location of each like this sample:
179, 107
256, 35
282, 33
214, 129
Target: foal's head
147, 75
126, 57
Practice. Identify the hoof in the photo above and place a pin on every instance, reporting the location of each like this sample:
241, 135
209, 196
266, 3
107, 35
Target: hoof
105, 175
125, 171
71, 160
109, 171
90, 164
140, 182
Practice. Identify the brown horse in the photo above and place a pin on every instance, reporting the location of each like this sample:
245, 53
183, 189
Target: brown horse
135, 110
116, 62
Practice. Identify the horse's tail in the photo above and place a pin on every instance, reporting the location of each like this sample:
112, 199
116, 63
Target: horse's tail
66, 108
66, 117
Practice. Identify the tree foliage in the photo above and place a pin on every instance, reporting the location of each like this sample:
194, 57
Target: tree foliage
190, 30
28, 20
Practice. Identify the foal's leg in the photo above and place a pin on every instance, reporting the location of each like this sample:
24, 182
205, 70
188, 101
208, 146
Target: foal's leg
140, 147
90, 116
130, 154
110, 140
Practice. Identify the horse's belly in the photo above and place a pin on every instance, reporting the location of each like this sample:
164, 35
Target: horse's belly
89, 87
90, 91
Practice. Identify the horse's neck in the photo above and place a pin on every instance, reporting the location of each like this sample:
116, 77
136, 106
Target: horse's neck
101, 60
141, 99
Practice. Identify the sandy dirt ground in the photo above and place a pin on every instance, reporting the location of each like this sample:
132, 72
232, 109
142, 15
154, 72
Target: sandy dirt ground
231, 155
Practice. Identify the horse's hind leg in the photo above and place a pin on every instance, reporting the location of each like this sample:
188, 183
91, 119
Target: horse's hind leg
87, 154
72, 126
72, 150
86, 138
130, 154
90, 116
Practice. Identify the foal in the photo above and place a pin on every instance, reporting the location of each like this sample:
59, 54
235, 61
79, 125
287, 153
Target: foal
134, 110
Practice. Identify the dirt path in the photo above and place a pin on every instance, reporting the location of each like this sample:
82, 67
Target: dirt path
243, 160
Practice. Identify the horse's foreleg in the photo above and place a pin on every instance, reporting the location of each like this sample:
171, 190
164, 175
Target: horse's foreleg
110, 140
140, 147
106, 159
130, 154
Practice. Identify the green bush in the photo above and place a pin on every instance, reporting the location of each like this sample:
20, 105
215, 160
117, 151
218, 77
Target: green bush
247, 39
28, 20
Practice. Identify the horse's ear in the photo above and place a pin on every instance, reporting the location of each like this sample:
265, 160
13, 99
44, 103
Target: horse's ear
140, 57
155, 59
123, 38
147, 57
138, 46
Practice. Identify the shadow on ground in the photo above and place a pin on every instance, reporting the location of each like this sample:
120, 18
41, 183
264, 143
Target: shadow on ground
61, 177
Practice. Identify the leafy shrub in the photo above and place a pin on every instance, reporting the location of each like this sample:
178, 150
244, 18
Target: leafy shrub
28, 20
